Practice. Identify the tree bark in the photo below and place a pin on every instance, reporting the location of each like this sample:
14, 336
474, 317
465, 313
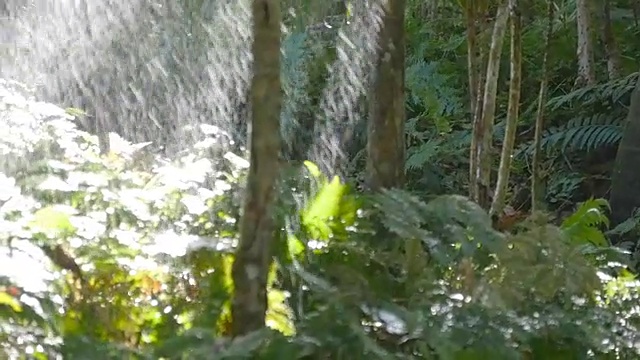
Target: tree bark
473, 51
625, 182
254, 252
386, 136
586, 67
485, 131
513, 110
609, 41
386, 140
474, 73
536, 178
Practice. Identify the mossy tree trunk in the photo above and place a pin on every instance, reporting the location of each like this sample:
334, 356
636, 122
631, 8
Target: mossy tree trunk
483, 133
386, 127
386, 141
254, 253
625, 182
513, 111
474, 60
609, 41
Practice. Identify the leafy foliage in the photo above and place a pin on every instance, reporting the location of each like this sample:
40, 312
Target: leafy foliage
585, 134
600, 120
137, 252
135, 249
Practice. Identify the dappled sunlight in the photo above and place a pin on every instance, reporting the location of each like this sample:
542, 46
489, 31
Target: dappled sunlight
149, 209
26, 265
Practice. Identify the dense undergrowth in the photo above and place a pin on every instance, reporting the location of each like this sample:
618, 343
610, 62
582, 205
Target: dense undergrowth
127, 255
583, 125
134, 257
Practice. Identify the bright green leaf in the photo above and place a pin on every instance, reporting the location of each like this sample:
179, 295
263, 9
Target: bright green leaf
53, 221
13, 303
325, 206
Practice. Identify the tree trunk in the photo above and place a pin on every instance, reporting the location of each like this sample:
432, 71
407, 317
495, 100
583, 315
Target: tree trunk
386, 137
254, 252
536, 178
586, 67
472, 13
386, 141
513, 110
609, 41
474, 72
485, 131
625, 182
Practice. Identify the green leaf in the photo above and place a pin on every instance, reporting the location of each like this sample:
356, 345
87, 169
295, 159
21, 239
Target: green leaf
75, 112
13, 303
323, 208
313, 170
295, 246
583, 226
53, 221
279, 316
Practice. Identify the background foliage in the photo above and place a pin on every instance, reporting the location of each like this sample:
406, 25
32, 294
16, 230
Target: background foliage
135, 248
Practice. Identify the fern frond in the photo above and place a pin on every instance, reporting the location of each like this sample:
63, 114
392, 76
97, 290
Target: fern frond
583, 226
582, 134
612, 91
418, 156
585, 134
428, 86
